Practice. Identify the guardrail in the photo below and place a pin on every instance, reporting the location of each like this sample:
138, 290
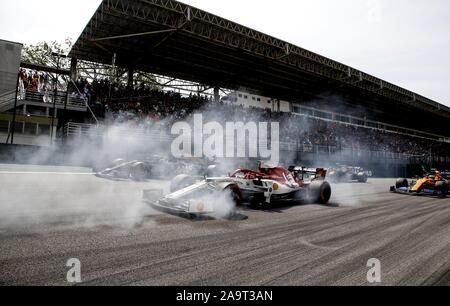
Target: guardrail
100, 131
48, 97
80, 129
7, 99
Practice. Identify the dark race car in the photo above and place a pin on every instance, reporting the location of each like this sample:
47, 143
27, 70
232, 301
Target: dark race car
343, 174
154, 167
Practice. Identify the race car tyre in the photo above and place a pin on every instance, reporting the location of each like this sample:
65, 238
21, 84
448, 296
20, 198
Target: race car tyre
235, 193
236, 196
401, 183
362, 178
138, 172
319, 192
181, 181
443, 187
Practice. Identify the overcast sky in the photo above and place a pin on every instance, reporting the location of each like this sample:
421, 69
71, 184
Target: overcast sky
406, 42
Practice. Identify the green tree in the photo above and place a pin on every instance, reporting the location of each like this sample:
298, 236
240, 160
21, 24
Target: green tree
41, 53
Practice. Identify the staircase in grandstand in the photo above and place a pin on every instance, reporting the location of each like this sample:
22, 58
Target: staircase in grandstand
7, 100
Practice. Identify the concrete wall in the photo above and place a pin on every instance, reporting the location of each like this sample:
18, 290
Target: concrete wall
10, 56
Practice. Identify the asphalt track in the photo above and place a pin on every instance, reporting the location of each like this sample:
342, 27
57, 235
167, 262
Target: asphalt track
49, 215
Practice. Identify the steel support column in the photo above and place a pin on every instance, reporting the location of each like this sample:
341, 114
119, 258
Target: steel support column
130, 76
216, 94
73, 68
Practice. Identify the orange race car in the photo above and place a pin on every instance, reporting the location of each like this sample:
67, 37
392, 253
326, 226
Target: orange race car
435, 184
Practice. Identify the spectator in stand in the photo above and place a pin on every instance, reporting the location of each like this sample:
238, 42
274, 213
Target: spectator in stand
46, 91
35, 82
145, 107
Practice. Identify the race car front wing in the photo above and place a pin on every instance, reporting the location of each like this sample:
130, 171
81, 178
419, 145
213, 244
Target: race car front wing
422, 192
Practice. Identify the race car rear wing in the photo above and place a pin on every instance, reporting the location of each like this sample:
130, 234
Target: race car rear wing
317, 172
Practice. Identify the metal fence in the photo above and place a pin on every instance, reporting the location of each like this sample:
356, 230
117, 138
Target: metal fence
48, 97
7, 99
91, 131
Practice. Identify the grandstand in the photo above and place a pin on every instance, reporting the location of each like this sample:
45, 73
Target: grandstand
249, 100
330, 111
171, 38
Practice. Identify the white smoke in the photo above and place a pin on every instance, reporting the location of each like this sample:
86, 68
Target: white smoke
82, 200
69, 200
345, 193
76, 198
91, 201
224, 206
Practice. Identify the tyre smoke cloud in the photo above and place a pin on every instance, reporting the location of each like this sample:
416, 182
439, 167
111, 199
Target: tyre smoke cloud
345, 193
78, 199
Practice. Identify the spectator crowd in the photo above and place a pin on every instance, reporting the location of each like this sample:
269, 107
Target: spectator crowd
33, 81
145, 107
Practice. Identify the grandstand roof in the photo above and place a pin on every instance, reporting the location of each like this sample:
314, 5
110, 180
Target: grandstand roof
171, 38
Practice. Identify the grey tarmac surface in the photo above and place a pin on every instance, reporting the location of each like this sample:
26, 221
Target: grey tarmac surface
51, 214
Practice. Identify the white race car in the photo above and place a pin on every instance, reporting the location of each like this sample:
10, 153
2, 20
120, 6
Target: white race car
267, 185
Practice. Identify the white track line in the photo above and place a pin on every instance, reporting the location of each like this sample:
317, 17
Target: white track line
40, 173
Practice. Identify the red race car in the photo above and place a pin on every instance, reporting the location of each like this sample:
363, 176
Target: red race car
266, 185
